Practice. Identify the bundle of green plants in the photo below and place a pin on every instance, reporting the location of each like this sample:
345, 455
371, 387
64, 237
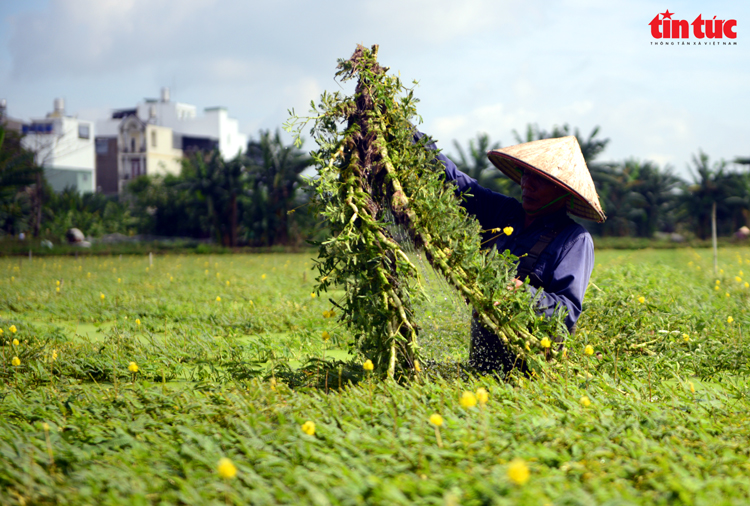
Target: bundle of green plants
374, 172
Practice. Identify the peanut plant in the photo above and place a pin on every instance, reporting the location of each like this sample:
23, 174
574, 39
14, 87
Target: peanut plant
375, 171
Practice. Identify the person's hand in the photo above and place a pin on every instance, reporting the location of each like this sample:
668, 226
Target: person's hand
517, 283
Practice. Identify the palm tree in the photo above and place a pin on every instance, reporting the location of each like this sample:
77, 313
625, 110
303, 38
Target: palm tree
18, 209
713, 185
653, 196
274, 180
218, 183
474, 163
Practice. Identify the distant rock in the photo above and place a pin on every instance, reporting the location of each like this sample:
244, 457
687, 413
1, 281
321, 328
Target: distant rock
74, 235
76, 238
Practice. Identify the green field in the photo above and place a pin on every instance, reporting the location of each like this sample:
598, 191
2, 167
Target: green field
232, 361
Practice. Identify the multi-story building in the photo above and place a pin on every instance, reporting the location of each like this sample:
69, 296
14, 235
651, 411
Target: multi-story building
64, 147
152, 137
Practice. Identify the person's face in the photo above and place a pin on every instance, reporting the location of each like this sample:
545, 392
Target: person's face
537, 192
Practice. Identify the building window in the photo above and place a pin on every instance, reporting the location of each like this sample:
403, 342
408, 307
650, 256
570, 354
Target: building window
132, 144
83, 131
102, 146
135, 167
153, 138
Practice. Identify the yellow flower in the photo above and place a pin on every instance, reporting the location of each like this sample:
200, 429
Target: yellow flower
468, 400
227, 282
88, 274
308, 428
686, 338
57, 282
367, 366
1, 332
545, 342
641, 299
730, 319
312, 295
721, 271
206, 272
436, 420
589, 350
119, 280
218, 275
738, 279
137, 321
54, 355
15, 342
226, 469
218, 299
718, 281
16, 361
45, 426
133, 367
747, 285
716, 288
585, 401
692, 387
417, 367
482, 396
326, 336
326, 314
508, 230
263, 276
518, 471
102, 296
727, 294
13, 329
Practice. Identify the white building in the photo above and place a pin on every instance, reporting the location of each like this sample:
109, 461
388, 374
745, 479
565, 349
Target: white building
64, 146
152, 137
212, 129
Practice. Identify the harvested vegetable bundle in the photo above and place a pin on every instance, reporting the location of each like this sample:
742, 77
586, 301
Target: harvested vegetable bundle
372, 170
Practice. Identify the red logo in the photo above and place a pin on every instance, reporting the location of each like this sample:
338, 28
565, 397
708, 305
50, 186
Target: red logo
664, 27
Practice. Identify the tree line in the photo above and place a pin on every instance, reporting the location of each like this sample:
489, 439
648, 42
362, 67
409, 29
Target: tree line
259, 198
639, 197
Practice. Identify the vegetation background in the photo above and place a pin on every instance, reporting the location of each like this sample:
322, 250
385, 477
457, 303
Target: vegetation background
259, 198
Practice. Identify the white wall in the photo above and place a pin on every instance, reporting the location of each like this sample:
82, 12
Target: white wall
183, 119
63, 149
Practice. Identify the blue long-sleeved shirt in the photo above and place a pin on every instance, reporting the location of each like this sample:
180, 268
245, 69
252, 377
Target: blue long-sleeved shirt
564, 267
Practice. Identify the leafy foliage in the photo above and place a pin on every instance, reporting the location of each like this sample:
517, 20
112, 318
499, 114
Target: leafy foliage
274, 189
374, 170
666, 424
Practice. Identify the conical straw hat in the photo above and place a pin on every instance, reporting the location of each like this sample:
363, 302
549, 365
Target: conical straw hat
559, 160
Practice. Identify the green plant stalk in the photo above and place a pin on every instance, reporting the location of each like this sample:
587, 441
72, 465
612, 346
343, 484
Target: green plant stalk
373, 169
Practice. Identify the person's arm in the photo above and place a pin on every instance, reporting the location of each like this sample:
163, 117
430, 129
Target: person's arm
487, 206
569, 281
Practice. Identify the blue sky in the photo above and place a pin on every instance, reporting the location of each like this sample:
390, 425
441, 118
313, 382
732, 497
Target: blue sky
483, 65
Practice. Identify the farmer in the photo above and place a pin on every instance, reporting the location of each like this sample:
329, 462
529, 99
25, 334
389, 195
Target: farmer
557, 253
